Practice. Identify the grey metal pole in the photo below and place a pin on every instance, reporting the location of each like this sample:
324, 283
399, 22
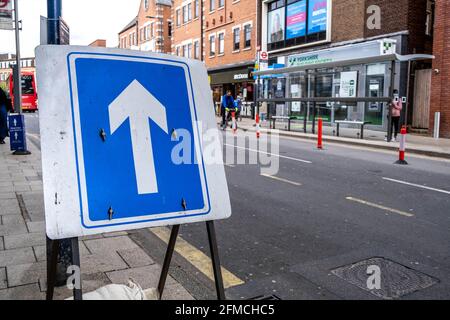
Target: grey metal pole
18, 104
407, 94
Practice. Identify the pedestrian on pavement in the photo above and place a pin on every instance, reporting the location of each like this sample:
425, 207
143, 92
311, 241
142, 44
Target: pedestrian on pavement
5, 105
238, 106
396, 108
226, 105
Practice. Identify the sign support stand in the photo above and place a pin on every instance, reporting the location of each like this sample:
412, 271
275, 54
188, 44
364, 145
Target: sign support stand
214, 257
52, 261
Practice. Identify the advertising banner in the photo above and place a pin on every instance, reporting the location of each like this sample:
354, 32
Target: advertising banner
317, 16
6, 17
348, 84
276, 25
296, 20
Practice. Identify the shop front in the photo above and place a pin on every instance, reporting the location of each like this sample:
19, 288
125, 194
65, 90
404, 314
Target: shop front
350, 83
234, 79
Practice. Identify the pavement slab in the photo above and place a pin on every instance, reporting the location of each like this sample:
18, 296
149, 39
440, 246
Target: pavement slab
3, 280
135, 257
24, 240
27, 292
16, 256
108, 244
22, 274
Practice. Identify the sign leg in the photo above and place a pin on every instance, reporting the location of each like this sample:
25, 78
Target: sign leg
52, 256
215, 260
167, 259
77, 289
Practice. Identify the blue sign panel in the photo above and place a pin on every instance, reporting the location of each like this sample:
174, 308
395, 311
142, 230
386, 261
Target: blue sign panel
296, 20
129, 115
317, 16
18, 141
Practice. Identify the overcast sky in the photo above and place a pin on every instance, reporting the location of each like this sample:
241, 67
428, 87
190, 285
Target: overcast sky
88, 20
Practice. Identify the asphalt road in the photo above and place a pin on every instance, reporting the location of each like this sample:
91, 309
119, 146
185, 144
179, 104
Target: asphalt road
321, 211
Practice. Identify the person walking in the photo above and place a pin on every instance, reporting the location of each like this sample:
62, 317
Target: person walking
226, 105
5, 105
395, 112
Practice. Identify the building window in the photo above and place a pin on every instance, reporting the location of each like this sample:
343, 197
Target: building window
221, 43
212, 5
236, 39
146, 4
212, 45
221, 3
196, 50
196, 8
178, 17
189, 9
247, 36
185, 15
185, 51
189, 50
169, 28
429, 24
177, 51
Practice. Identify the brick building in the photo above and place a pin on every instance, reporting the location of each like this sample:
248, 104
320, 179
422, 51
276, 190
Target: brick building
221, 33
311, 32
440, 96
151, 29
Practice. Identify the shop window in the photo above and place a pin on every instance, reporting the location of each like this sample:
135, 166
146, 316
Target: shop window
236, 39
247, 36
296, 22
221, 43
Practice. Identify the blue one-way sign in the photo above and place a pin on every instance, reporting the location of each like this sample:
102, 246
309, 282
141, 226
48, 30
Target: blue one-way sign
107, 144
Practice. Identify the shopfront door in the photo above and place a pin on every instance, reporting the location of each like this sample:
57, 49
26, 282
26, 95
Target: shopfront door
373, 112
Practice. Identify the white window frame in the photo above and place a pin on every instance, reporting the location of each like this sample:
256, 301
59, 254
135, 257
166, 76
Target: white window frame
220, 53
210, 46
248, 23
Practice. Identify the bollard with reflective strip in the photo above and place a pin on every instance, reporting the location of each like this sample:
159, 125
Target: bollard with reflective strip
258, 130
233, 121
402, 148
319, 134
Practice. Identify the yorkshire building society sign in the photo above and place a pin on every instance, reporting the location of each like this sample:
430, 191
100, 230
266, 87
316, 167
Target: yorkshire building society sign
111, 145
6, 17
355, 51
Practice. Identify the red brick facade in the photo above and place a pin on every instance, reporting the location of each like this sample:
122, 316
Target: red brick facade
220, 19
150, 30
440, 89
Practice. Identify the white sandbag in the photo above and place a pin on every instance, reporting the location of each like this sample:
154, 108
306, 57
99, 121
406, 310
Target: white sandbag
132, 291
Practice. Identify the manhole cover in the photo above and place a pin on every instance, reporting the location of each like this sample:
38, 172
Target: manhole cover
395, 280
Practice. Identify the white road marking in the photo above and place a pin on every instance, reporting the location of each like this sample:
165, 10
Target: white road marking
375, 205
281, 179
271, 154
417, 185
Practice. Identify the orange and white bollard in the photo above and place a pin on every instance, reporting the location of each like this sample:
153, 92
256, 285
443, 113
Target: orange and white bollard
402, 148
319, 134
258, 129
233, 122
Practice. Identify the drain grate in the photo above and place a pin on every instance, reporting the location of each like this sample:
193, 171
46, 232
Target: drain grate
396, 280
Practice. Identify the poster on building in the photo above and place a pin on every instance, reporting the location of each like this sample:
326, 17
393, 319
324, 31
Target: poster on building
296, 20
276, 25
317, 16
6, 17
348, 84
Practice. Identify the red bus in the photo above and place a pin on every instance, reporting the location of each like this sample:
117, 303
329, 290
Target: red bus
29, 93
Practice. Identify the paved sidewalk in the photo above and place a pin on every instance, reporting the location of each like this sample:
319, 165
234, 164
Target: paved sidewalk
105, 259
416, 144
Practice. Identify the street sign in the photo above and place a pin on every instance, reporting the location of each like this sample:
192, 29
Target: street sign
112, 122
18, 141
6, 17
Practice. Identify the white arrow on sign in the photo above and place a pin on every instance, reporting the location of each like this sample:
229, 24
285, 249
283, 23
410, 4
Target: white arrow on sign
138, 105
